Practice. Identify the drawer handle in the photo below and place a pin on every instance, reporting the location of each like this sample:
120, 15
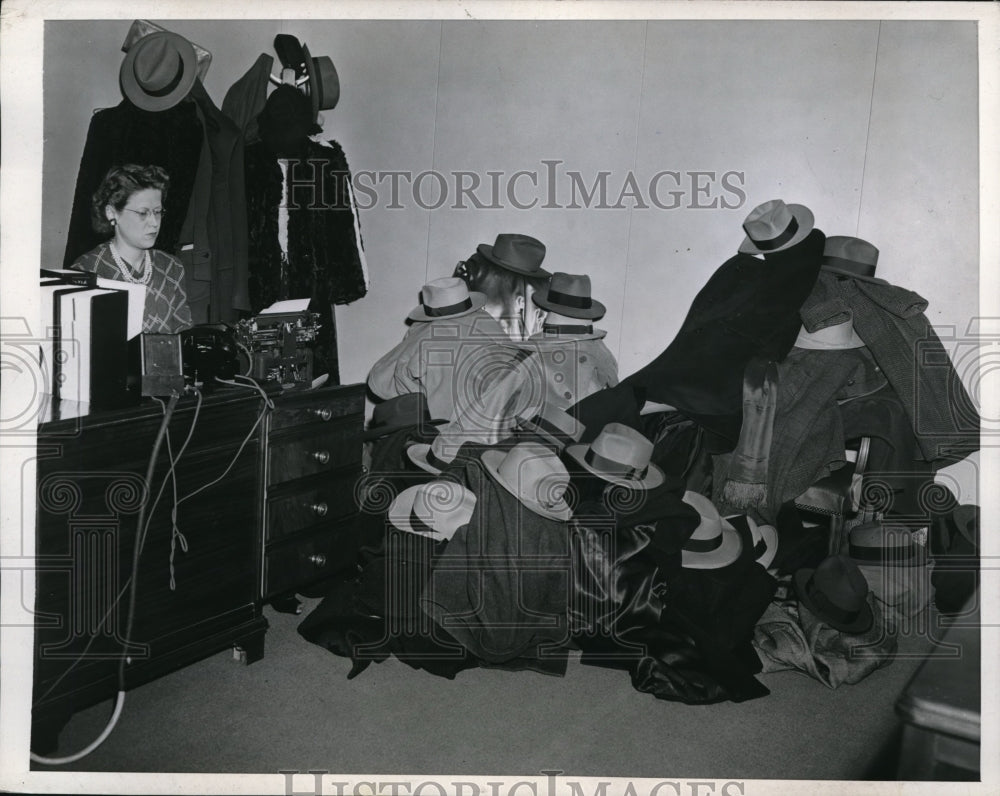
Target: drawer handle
319, 509
318, 559
323, 414
321, 456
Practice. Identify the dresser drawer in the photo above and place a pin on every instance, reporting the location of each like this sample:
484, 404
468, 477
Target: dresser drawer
300, 561
326, 406
329, 501
314, 450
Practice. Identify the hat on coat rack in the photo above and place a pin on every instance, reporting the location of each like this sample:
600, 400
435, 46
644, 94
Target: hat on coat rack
316, 77
837, 593
436, 509
403, 411
553, 424
434, 457
521, 254
715, 543
764, 538
774, 226
448, 297
534, 475
849, 256
838, 337
621, 455
569, 295
143, 27
158, 71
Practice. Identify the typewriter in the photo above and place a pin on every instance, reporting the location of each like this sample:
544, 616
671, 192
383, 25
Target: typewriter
280, 346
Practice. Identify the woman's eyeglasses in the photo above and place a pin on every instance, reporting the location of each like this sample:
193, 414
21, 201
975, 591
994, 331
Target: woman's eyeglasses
145, 213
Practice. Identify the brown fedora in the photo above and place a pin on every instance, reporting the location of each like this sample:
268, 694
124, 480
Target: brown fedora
521, 254
849, 256
837, 593
569, 295
143, 27
621, 455
158, 71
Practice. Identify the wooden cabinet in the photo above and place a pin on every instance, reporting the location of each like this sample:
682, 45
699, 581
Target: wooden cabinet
310, 472
251, 509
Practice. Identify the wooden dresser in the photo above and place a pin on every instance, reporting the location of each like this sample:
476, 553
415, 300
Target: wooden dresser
260, 496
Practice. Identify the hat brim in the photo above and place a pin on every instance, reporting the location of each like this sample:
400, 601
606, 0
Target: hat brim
478, 302
316, 85
770, 536
596, 310
542, 337
382, 431
653, 478
806, 221
491, 463
722, 556
861, 624
844, 272
401, 509
135, 94
808, 344
486, 250
417, 454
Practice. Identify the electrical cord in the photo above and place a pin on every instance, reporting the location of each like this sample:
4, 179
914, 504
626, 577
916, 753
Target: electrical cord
136, 552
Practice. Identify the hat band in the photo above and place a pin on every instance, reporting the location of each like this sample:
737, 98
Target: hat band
168, 88
760, 548
822, 602
606, 465
551, 428
703, 545
882, 555
780, 240
861, 269
434, 461
567, 300
449, 309
552, 328
419, 526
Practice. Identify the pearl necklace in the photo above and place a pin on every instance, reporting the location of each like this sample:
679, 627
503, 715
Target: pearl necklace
147, 267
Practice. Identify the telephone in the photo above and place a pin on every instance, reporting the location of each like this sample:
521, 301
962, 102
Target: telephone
210, 351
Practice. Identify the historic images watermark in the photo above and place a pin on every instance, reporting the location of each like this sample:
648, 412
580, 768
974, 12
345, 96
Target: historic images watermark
320, 782
545, 186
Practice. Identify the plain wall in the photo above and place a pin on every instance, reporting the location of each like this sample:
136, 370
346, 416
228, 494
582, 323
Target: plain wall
872, 125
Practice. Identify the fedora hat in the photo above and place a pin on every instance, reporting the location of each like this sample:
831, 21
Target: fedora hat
521, 254
143, 27
849, 256
436, 509
715, 543
619, 454
433, 457
158, 71
323, 86
534, 475
569, 295
448, 297
558, 328
403, 411
836, 592
875, 544
553, 424
839, 337
774, 226
764, 538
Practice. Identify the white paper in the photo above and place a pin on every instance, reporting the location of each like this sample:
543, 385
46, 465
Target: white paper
288, 305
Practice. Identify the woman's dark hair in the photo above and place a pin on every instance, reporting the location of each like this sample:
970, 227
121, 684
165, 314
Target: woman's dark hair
494, 281
118, 185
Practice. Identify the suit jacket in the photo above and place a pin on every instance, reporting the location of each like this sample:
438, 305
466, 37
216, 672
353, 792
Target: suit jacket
446, 359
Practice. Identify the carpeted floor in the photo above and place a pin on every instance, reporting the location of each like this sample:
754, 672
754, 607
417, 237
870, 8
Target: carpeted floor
295, 710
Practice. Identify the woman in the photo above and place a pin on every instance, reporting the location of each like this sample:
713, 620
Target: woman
128, 205
508, 295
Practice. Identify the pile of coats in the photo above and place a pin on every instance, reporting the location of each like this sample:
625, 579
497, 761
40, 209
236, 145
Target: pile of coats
521, 503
